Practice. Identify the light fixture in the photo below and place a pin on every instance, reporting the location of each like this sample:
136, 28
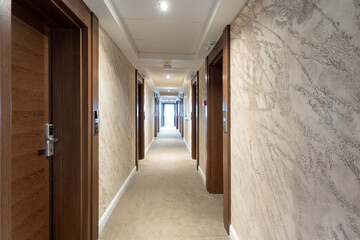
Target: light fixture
164, 6
167, 76
168, 90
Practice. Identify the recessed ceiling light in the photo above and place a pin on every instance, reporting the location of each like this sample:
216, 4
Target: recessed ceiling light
167, 76
164, 6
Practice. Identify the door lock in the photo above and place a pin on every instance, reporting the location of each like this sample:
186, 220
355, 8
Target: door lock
50, 140
225, 122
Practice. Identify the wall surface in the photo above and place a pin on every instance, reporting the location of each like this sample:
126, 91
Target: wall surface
296, 120
117, 120
187, 122
149, 115
202, 122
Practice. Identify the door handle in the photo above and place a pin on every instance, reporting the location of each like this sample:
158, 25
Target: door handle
52, 140
49, 140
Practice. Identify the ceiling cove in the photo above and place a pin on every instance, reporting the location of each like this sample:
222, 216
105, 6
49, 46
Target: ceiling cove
149, 37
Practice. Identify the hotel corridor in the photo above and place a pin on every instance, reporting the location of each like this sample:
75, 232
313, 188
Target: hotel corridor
167, 198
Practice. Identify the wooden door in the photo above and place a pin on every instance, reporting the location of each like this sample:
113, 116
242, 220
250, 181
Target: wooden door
30, 111
218, 170
140, 117
182, 116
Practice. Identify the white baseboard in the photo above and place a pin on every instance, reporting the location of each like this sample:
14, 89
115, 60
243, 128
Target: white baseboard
147, 149
105, 217
233, 234
202, 175
187, 145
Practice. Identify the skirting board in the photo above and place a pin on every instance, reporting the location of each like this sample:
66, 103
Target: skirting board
105, 217
233, 234
187, 145
202, 175
147, 149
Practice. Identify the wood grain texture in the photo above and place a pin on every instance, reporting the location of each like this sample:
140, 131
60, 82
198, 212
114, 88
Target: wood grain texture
5, 120
30, 172
67, 170
95, 138
214, 175
226, 135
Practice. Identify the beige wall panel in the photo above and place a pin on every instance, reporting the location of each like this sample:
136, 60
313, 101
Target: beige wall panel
202, 133
295, 100
149, 115
117, 120
187, 122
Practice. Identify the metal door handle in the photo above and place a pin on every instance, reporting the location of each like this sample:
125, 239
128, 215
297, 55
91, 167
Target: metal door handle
52, 140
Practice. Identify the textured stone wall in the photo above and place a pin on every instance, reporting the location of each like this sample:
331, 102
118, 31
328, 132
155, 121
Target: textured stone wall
202, 123
149, 115
117, 120
295, 90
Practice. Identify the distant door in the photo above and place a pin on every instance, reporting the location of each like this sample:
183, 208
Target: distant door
182, 116
177, 114
140, 118
195, 119
30, 111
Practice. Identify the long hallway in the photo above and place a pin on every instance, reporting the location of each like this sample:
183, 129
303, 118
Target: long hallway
167, 199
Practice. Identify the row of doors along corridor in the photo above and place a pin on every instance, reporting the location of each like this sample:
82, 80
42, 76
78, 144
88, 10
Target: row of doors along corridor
49, 192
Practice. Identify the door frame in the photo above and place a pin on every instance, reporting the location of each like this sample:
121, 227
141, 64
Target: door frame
77, 13
156, 114
182, 115
139, 118
221, 49
195, 119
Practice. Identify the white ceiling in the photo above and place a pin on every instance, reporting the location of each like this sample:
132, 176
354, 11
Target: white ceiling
148, 36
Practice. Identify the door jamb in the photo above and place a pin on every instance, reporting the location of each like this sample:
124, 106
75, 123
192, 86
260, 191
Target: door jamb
223, 45
139, 119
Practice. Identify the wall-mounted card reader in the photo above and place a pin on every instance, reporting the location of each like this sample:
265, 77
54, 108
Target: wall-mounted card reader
50, 140
225, 122
96, 122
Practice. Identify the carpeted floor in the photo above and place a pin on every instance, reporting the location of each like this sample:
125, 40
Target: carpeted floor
166, 198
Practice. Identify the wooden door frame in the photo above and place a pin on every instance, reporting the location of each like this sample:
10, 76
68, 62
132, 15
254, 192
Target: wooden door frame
177, 114
156, 113
222, 48
139, 119
182, 115
53, 11
5, 120
195, 118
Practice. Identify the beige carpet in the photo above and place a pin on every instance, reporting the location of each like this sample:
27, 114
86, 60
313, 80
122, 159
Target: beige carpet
167, 198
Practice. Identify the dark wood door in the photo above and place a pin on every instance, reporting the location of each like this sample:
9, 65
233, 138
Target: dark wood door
30, 111
140, 118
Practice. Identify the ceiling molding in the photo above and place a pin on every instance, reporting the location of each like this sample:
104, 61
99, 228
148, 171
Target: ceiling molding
208, 25
171, 56
115, 13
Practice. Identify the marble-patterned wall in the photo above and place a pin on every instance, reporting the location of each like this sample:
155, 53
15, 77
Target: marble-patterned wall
202, 122
295, 90
187, 122
149, 115
117, 120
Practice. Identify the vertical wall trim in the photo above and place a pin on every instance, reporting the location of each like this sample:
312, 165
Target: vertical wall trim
95, 138
5, 120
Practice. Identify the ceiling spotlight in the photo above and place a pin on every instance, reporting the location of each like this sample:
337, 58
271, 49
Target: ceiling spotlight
164, 6
167, 76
